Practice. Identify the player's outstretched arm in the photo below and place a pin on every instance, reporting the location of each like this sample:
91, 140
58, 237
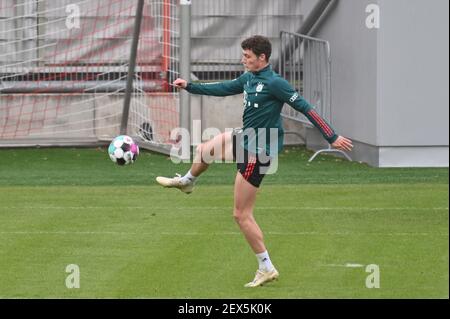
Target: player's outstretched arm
224, 88
343, 144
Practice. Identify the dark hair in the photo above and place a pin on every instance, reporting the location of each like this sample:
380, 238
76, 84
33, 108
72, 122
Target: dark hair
259, 45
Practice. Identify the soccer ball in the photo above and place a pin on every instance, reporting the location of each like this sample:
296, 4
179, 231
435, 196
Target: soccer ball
123, 150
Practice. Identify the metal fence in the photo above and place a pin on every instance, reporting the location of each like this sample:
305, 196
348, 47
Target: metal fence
219, 26
306, 63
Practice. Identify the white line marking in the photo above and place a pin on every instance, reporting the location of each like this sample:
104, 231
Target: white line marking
212, 234
203, 208
347, 265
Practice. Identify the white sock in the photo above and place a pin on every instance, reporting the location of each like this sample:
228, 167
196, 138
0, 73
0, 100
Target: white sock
189, 178
264, 261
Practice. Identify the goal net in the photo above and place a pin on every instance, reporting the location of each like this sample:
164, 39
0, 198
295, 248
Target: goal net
64, 67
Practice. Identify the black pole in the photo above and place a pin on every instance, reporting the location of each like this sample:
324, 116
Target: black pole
131, 67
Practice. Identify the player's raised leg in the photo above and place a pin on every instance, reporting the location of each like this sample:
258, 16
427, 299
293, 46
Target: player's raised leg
218, 148
244, 202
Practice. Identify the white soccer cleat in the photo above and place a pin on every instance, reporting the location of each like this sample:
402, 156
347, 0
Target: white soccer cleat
176, 182
263, 277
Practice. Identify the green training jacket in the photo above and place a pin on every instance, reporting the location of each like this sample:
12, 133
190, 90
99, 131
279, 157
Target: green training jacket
265, 93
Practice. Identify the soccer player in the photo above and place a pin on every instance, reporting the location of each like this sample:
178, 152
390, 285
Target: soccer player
265, 93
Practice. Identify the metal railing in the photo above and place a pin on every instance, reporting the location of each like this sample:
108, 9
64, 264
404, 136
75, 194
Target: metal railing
306, 63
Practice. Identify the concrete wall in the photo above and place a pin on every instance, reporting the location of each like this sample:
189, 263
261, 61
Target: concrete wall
413, 73
390, 85
354, 69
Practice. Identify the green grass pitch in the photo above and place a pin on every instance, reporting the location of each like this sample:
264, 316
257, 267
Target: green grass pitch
324, 223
